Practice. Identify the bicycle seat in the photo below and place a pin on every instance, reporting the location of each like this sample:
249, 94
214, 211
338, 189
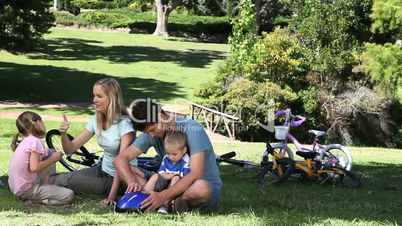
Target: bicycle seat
317, 133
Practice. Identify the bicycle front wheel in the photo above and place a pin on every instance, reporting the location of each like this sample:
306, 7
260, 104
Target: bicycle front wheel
345, 177
281, 150
76, 161
280, 163
339, 155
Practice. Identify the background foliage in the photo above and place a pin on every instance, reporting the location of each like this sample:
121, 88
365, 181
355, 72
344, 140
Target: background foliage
324, 64
337, 62
22, 23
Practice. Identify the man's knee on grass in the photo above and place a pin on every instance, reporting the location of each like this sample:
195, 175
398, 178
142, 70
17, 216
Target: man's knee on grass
199, 192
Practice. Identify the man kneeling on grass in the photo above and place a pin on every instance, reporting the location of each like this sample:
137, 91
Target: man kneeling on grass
201, 187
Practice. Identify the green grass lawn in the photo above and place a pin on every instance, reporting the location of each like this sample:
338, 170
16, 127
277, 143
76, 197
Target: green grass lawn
243, 202
65, 69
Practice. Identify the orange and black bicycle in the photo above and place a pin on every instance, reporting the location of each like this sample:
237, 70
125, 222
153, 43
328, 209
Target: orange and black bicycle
331, 163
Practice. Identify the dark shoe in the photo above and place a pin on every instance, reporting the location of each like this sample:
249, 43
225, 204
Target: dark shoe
179, 205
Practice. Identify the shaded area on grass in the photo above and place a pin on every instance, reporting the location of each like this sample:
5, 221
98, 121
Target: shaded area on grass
84, 49
289, 203
34, 83
295, 202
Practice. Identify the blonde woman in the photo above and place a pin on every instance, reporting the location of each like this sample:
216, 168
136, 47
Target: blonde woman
114, 133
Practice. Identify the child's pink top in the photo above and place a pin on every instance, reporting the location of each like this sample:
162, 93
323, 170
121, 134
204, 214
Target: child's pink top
20, 178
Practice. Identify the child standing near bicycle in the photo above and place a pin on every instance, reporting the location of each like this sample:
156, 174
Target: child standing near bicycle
31, 162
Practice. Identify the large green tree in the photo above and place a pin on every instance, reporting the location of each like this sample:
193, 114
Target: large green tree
258, 77
384, 62
387, 17
22, 23
331, 30
384, 65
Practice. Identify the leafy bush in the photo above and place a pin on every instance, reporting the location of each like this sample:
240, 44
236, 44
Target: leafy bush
387, 17
93, 4
104, 18
140, 5
122, 3
259, 76
243, 37
68, 19
253, 102
101, 4
309, 97
22, 23
329, 30
384, 65
277, 57
145, 21
313, 67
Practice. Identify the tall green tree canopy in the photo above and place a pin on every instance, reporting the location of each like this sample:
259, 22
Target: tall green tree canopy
22, 23
330, 30
387, 17
384, 62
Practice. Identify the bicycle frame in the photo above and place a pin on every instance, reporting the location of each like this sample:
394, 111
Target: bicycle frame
315, 146
307, 167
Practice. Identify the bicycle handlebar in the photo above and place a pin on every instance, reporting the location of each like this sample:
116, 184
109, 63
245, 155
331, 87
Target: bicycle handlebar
282, 112
296, 123
295, 120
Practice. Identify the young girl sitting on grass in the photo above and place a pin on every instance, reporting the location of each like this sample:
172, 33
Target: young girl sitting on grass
31, 161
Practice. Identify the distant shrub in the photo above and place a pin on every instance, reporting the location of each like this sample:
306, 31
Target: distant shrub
94, 4
68, 19
144, 22
105, 18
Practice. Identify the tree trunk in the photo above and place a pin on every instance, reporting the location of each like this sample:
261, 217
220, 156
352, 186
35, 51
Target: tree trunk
162, 18
57, 5
257, 6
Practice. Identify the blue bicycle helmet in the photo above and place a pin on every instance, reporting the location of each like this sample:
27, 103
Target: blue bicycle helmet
131, 202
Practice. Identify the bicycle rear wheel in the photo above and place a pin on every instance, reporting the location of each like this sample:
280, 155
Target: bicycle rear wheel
82, 158
345, 177
337, 155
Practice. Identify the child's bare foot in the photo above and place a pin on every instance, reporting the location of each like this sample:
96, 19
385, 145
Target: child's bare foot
106, 202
